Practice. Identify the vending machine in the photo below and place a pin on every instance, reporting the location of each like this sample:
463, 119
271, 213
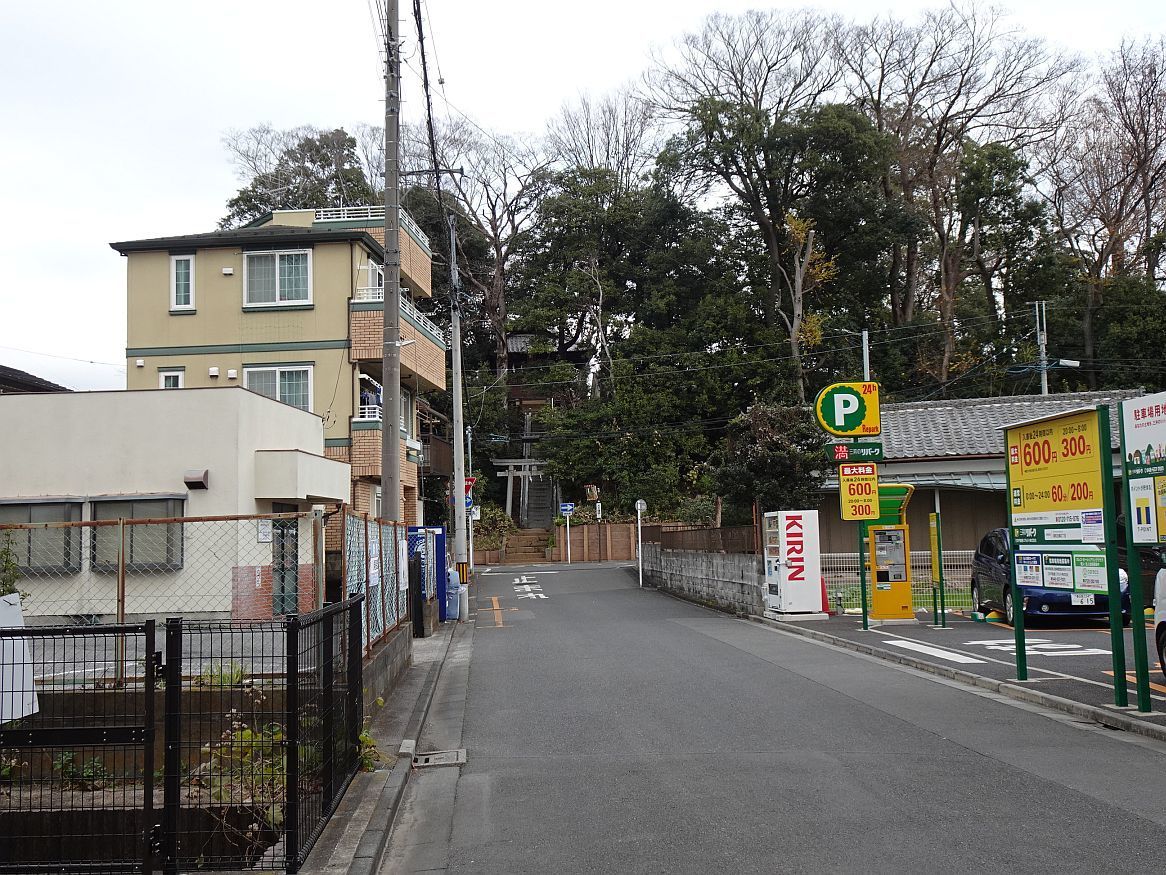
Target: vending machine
890, 563
793, 562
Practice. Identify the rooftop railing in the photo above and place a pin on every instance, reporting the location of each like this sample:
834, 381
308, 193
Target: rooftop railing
373, 212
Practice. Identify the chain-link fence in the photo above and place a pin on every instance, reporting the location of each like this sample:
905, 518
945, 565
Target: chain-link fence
242, 567
376, 565
841, 573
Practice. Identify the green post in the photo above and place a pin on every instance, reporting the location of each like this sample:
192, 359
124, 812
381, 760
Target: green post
939, 549
1117, 643
1017, 602
862, 535
934, 605
1137, 594
1017, 615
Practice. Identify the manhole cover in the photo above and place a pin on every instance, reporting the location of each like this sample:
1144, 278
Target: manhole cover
440, 758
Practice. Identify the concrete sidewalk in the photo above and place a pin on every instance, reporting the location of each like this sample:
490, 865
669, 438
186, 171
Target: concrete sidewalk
354, 838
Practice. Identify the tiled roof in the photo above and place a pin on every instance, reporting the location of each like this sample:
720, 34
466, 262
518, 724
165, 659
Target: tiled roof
972, 426
266, 236
13, 380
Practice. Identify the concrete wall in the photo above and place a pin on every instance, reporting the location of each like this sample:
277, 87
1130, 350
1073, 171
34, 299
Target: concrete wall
729, 581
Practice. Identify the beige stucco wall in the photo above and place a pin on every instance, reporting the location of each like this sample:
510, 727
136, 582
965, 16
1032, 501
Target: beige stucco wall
219, 316
89, 444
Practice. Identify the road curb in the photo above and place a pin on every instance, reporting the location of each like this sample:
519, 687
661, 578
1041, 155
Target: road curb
1012, 691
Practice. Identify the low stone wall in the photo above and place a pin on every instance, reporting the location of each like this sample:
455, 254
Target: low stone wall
728, 581
384, 666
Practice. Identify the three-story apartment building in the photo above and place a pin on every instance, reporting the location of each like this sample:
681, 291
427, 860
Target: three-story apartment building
291, 306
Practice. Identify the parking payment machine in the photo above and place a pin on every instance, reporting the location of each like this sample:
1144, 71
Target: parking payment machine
890, 562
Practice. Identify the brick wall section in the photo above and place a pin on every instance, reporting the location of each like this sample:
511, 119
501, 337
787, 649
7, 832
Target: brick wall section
729, 581
339, 454
251, 592
415, 264
424, 357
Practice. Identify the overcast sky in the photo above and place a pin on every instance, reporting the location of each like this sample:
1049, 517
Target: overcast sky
113, 115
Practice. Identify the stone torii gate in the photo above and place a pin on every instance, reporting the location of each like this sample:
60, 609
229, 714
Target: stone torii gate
524, 470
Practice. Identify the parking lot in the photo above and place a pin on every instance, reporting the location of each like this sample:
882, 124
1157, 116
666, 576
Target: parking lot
1072, 659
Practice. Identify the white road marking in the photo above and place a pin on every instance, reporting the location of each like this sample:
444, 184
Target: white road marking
1046, 671
935, 651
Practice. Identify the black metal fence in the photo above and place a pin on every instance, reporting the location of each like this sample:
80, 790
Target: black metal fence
230, 753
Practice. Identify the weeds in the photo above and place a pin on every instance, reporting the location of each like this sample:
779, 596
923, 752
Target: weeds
91, 775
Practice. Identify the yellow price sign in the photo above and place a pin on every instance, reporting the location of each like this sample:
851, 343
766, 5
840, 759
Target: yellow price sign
1055, 473
858, 491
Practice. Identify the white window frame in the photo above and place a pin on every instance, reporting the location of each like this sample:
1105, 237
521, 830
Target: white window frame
163, 373
277, 369
279, 301
174, 305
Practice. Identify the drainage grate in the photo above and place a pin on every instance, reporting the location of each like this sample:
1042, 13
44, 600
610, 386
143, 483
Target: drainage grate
440, 758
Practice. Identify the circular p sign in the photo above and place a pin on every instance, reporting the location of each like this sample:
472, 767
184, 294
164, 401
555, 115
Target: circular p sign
849, 409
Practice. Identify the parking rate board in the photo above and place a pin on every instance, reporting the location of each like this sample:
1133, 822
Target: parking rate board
858, 491
1055, 480
1056, 504
1144, 465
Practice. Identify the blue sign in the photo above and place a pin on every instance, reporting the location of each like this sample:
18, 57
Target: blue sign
567, 508
469, 501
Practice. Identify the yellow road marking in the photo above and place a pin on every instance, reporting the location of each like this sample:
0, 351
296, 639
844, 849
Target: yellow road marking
496, 611
1133, 679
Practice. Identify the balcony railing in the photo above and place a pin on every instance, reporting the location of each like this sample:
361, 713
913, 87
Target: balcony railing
369, 413
377, 293
373, 413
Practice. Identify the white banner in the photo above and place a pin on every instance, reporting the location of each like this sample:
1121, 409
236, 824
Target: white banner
17, 690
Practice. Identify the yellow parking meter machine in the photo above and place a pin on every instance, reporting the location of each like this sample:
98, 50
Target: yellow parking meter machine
890, 558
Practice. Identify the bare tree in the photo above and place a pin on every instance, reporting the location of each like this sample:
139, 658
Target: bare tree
1094, 197
616, 133
1134, 92
960, 75
729, 85
499, 193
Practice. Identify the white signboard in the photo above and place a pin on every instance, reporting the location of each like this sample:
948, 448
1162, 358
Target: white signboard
1144, 465
793, 562
374, 560
17, 691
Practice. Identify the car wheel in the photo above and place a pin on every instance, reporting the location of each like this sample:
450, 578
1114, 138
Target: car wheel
976, 602
1162, 650
1008, 607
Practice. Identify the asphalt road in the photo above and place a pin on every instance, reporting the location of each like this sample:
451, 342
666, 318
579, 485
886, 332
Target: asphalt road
612, 729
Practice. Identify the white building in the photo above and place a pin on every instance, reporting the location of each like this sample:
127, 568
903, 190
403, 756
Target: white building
87, 459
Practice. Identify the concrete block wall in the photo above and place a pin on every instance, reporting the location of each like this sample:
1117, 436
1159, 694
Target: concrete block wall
729, 581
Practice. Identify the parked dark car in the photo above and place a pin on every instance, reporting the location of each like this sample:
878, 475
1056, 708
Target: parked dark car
990, 588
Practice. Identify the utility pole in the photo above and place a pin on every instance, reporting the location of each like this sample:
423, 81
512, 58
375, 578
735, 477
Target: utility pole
461, 557
1041, 340
865, 355
391, 363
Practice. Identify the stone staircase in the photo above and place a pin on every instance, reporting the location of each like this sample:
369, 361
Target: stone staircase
526, 546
